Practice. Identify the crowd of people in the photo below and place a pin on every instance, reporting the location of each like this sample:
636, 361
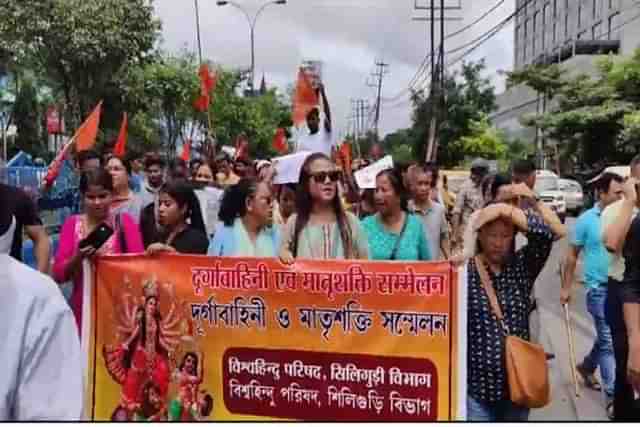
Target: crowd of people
223, 206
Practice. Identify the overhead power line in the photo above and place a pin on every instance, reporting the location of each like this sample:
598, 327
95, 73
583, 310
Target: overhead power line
425, 65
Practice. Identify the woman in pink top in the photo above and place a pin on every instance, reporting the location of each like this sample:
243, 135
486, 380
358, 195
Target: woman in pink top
96, 187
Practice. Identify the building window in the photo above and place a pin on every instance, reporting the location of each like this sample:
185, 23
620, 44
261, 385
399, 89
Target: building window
612, 30
579, 14
597, 8
597, 31
566, 25
536, 31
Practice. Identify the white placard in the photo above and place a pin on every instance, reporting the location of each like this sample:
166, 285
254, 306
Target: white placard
366, 178
288, 167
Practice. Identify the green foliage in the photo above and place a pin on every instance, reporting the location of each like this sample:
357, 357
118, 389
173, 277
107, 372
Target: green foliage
80, 46
470, 97
484, 141
595, 118
28, 118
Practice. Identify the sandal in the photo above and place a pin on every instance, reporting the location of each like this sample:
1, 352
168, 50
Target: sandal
610, 412
589, 378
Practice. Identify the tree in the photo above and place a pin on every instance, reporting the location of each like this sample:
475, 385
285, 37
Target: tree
80, 46
484, 141
27, 116
595, 118
469, 98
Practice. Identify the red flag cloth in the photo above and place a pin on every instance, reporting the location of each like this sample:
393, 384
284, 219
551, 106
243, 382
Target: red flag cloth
121, 145
346, 156
304, 99
56, 165
186, 151
86, 134
207, 85
280, 141
242, 147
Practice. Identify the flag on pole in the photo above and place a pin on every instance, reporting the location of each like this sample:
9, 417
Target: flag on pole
86, 135
304, 99
186, 151
242, 147
346, 156
84, 139
280, 141
207, 85
120, 149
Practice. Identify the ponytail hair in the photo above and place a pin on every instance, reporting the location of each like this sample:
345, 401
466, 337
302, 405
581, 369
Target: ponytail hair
234, 200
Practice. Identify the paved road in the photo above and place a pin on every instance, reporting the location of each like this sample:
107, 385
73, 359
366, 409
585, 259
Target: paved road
551, 332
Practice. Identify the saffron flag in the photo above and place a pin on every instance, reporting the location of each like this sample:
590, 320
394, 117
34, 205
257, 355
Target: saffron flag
88, 131
242, 147
120, 148
346, 156
304, 99
280, 141
84, 139
186, 151
207, 85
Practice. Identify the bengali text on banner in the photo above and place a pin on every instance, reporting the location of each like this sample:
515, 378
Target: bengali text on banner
184, 338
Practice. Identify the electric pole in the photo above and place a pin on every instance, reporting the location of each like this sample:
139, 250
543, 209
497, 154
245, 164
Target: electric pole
379, 76
436, 98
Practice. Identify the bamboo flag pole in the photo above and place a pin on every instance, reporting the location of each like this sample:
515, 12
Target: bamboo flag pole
572, 352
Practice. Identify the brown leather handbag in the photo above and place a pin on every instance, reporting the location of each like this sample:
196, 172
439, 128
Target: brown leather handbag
527, 370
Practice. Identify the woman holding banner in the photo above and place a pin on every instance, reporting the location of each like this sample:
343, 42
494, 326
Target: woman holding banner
96, 188
511, 274
394, 233
180, 216
246, 213
321, 228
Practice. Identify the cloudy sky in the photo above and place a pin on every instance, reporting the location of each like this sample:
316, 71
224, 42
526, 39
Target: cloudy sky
348, 36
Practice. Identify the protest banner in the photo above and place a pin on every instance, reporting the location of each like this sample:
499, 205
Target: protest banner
202, 338
366, 177
288, 167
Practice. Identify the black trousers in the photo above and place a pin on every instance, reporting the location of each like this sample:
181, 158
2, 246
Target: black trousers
624, 405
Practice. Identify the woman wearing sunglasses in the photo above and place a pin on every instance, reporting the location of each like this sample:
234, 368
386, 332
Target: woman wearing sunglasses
321, 228
394, 233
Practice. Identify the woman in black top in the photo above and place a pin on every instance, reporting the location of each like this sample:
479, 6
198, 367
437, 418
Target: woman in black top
180, 215
512, 274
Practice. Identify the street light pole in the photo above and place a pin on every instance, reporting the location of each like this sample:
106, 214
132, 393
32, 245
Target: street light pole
198, 32
252, 27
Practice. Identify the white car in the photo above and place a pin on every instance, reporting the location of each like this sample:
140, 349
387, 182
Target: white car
573, 195
548, 188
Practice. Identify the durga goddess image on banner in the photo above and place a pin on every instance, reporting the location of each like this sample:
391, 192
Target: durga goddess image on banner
143, 359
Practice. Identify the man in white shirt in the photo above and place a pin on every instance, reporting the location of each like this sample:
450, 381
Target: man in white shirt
318, 139
41, 377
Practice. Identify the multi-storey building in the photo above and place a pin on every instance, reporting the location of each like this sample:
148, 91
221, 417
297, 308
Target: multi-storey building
570, 32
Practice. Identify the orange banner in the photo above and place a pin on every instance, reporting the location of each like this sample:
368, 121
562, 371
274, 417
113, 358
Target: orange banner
184, 338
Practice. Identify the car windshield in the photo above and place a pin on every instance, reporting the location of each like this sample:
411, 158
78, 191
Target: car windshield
547, 183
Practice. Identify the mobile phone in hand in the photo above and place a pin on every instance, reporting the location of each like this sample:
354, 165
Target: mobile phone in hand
98, 237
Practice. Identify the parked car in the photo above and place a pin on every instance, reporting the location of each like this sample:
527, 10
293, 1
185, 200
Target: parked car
548, 188
573, 195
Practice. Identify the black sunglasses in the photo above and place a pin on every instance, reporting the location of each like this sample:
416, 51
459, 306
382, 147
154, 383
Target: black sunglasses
321, 177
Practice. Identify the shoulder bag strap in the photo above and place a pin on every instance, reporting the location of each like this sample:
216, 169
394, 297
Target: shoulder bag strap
394, 252
491, 293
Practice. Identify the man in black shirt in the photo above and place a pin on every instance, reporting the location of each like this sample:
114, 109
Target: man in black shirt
623, 299
18, 213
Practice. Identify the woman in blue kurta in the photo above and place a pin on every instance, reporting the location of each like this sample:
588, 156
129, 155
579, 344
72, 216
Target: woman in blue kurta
394, 233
